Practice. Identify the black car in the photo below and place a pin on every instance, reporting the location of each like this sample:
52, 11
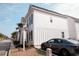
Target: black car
62, 46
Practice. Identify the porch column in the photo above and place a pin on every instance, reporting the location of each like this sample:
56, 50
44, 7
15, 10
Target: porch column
20, 25
17, 35
21, 36
71, 28
24, 38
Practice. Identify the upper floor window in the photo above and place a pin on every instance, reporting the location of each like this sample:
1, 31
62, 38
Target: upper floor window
51, 20
30, 20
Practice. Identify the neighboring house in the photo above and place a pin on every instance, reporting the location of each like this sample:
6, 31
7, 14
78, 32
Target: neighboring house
43, 24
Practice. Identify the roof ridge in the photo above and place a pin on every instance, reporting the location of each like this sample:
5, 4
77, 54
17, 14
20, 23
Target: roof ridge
53, 12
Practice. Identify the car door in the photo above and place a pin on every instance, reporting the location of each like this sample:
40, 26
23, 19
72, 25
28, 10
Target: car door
53, 44
67, 44
49, 43
56, 45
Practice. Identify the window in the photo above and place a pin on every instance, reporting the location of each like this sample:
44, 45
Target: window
60, 41
66, 42
31, 34
73, 41
51, 20
51, 41
30, 21
56, 41
62, 34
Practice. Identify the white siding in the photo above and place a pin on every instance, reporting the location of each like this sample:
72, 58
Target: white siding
72, 28
44, 29
77, 30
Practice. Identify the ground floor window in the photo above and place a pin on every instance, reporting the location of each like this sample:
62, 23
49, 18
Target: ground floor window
30, 36
62, 34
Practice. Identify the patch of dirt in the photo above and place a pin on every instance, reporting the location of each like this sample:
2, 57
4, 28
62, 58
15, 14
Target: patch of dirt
28, 52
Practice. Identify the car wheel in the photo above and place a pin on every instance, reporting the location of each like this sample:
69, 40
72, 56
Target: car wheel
43, 48
64, 52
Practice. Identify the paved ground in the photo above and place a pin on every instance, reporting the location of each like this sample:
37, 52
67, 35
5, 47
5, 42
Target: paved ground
2, 53
4, 44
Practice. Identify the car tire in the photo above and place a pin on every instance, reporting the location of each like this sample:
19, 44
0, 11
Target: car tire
64, 52
43, 48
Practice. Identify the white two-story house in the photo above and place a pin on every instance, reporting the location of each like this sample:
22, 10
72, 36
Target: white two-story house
43, 24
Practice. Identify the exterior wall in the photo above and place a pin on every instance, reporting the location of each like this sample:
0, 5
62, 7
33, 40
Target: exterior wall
77, 30
45, 30
72, 28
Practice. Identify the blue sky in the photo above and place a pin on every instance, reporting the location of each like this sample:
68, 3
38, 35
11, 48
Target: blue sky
11, 13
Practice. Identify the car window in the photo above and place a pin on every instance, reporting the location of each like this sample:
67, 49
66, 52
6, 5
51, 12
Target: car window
55, 41
58, 41
73, 41
51, 41
66, 42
